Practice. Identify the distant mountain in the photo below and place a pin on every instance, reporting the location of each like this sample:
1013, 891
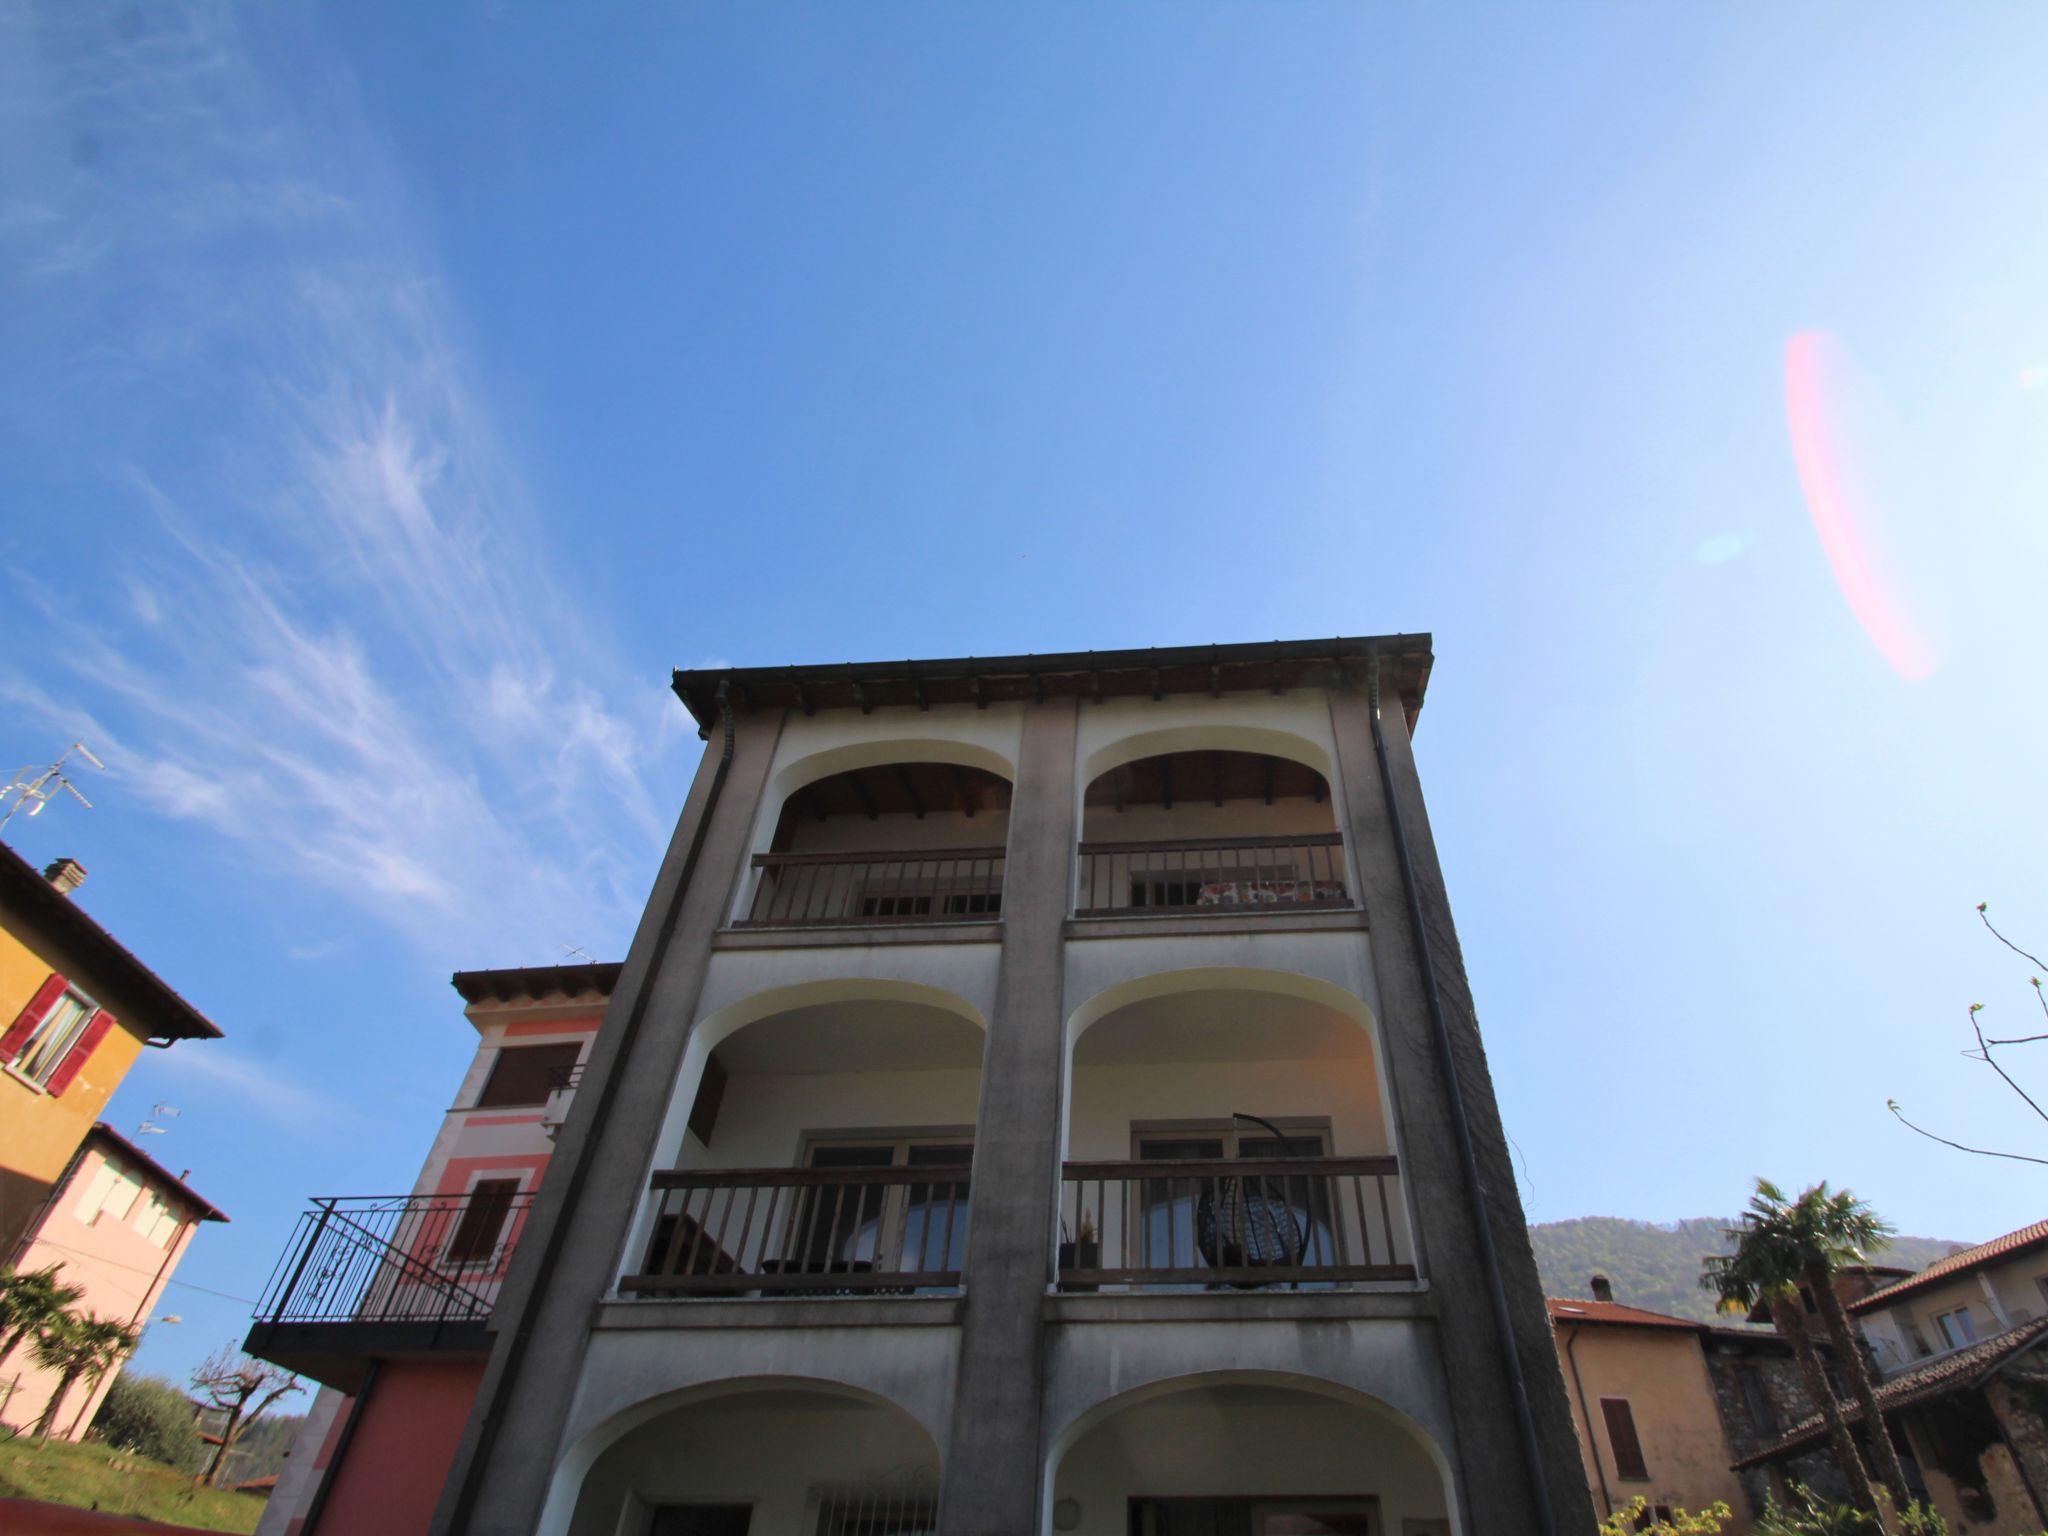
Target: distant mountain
1658, 1267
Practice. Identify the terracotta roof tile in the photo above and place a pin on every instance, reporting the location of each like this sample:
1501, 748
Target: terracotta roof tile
1956, 1264
1922, 1383
1572, 1310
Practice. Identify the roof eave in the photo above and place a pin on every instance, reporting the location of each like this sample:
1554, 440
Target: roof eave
1271, 665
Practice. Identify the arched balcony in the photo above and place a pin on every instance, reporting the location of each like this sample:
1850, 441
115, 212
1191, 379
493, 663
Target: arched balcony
1209, 830
1248, 1453
748, 1458
1228, 1129
826, 1149
893, 842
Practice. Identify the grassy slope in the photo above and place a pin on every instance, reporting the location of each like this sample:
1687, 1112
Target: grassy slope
94, 1477
1658, 1267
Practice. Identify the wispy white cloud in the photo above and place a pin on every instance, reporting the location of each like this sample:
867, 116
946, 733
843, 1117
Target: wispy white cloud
344, 645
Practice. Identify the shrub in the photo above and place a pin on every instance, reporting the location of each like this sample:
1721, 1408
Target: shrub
1639, 1520
150, 1416
1808, 1516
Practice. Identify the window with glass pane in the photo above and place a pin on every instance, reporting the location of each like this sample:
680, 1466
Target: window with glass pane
839, 1226
908, 1228
53, 1037
1195, 1221
935, 1215
1957, 1327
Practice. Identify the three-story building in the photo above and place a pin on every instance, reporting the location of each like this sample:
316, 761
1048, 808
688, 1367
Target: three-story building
1043, 1093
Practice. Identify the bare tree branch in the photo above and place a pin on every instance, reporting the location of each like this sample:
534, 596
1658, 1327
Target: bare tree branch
2018, 1157
1983, 1054
1984, 917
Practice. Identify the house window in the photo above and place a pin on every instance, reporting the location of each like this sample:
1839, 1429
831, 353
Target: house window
526, 1074
113, 1190
907, 1227
1762, 1418
1957, 1328
155, 1220
1621, 1439
482, 1222
1255, 1517
1223, 1222
878, 1511
701, 1520
55, 1021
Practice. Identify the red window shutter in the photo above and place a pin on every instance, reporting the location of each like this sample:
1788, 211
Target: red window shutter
89, 1038
26, 1021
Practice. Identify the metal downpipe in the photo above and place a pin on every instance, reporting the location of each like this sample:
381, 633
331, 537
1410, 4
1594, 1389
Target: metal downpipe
557, 1233
1468, 1158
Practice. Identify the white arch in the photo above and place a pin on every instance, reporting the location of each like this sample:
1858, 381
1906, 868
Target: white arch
755, 1007
1209, 978
1218, 737
1077, 1428
566, 1486
875, 754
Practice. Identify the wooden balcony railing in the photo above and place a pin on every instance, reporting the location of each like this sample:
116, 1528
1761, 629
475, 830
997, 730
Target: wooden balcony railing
1240, 1222
822, 1231
934, 885
396, 1258
1206, 874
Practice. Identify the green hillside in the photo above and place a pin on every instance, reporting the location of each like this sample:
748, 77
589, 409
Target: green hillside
1658, 1267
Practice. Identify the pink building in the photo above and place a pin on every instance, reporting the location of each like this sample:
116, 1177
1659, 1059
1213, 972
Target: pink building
386, 1300
116, 1225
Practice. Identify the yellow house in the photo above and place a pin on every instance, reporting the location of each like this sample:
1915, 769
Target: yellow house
1645, 1408
76, 1009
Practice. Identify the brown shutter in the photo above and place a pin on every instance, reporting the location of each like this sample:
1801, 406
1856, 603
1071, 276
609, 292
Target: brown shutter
1621, 1437
476, 1235
521, 1074
88, 1041
26, 1021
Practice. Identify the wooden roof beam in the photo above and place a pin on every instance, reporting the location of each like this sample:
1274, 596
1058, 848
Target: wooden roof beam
909, 785
860, 789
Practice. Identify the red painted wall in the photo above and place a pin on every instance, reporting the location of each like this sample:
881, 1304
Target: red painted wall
389, 1481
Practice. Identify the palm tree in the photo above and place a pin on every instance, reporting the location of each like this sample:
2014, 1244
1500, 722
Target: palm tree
31, 1302
1765, 1269
75, 1347
1827, 1230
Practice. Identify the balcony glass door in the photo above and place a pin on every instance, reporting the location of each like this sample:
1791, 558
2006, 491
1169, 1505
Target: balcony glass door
915, 1228
1223, 1221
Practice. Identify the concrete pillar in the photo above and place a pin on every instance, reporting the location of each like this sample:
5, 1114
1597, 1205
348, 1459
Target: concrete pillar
1495, 1490
512, 1443
990, 1481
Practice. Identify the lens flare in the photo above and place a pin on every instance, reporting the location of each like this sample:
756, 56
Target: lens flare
1820, 385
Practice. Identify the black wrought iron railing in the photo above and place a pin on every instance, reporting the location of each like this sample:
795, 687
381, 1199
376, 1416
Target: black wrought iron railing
922, 886
396, 1258
1204, 874
742, 1231
1240, 1222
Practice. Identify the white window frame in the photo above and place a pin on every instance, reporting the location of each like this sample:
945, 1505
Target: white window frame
19, 1067
1964, 1324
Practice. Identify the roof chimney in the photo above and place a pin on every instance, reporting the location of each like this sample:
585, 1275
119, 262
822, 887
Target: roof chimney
1603, 1288
65, 874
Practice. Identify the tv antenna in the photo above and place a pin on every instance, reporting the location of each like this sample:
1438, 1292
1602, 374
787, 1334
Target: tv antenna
567, 949
149, 1126
35, 792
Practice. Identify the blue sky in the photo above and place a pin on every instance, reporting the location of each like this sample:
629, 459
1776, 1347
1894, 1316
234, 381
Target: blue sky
394, 394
